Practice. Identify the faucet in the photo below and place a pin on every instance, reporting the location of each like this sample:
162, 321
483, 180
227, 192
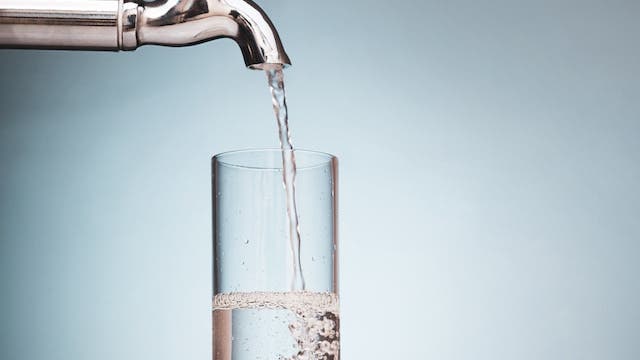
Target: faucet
127, 24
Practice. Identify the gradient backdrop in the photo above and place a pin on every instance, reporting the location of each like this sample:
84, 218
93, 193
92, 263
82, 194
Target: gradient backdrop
490, 171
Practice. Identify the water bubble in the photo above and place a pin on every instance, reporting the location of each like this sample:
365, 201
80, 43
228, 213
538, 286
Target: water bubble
246, 242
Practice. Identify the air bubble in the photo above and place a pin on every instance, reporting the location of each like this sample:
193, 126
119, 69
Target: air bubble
312, 319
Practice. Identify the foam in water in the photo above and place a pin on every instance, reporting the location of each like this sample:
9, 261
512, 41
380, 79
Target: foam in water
276, 325
275, 76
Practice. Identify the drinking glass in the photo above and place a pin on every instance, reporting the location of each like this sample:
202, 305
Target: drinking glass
260, 311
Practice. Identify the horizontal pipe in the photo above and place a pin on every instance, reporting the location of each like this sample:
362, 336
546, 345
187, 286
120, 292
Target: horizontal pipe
60, 24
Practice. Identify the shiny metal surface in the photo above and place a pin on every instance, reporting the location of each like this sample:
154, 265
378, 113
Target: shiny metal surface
128, 24
186, 22
59, 24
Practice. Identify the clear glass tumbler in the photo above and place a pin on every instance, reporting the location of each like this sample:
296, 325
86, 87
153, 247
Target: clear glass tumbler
259, 310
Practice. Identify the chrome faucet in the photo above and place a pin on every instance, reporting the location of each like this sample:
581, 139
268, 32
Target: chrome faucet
128, 24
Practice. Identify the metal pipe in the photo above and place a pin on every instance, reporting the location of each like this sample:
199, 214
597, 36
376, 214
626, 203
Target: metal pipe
59, 24
128, 24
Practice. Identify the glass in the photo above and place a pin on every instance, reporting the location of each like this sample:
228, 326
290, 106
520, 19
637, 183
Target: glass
259, 312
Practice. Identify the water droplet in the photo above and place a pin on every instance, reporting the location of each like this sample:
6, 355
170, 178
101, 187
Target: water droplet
246, 242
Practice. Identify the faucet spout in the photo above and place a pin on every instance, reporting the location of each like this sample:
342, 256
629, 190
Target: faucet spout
187, 22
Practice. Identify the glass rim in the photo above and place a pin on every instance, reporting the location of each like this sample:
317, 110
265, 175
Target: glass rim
220, 158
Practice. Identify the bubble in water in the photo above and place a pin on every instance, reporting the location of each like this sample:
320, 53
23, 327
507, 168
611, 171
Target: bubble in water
313, 326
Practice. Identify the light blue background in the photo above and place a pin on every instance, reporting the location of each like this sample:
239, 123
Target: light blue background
490, 162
